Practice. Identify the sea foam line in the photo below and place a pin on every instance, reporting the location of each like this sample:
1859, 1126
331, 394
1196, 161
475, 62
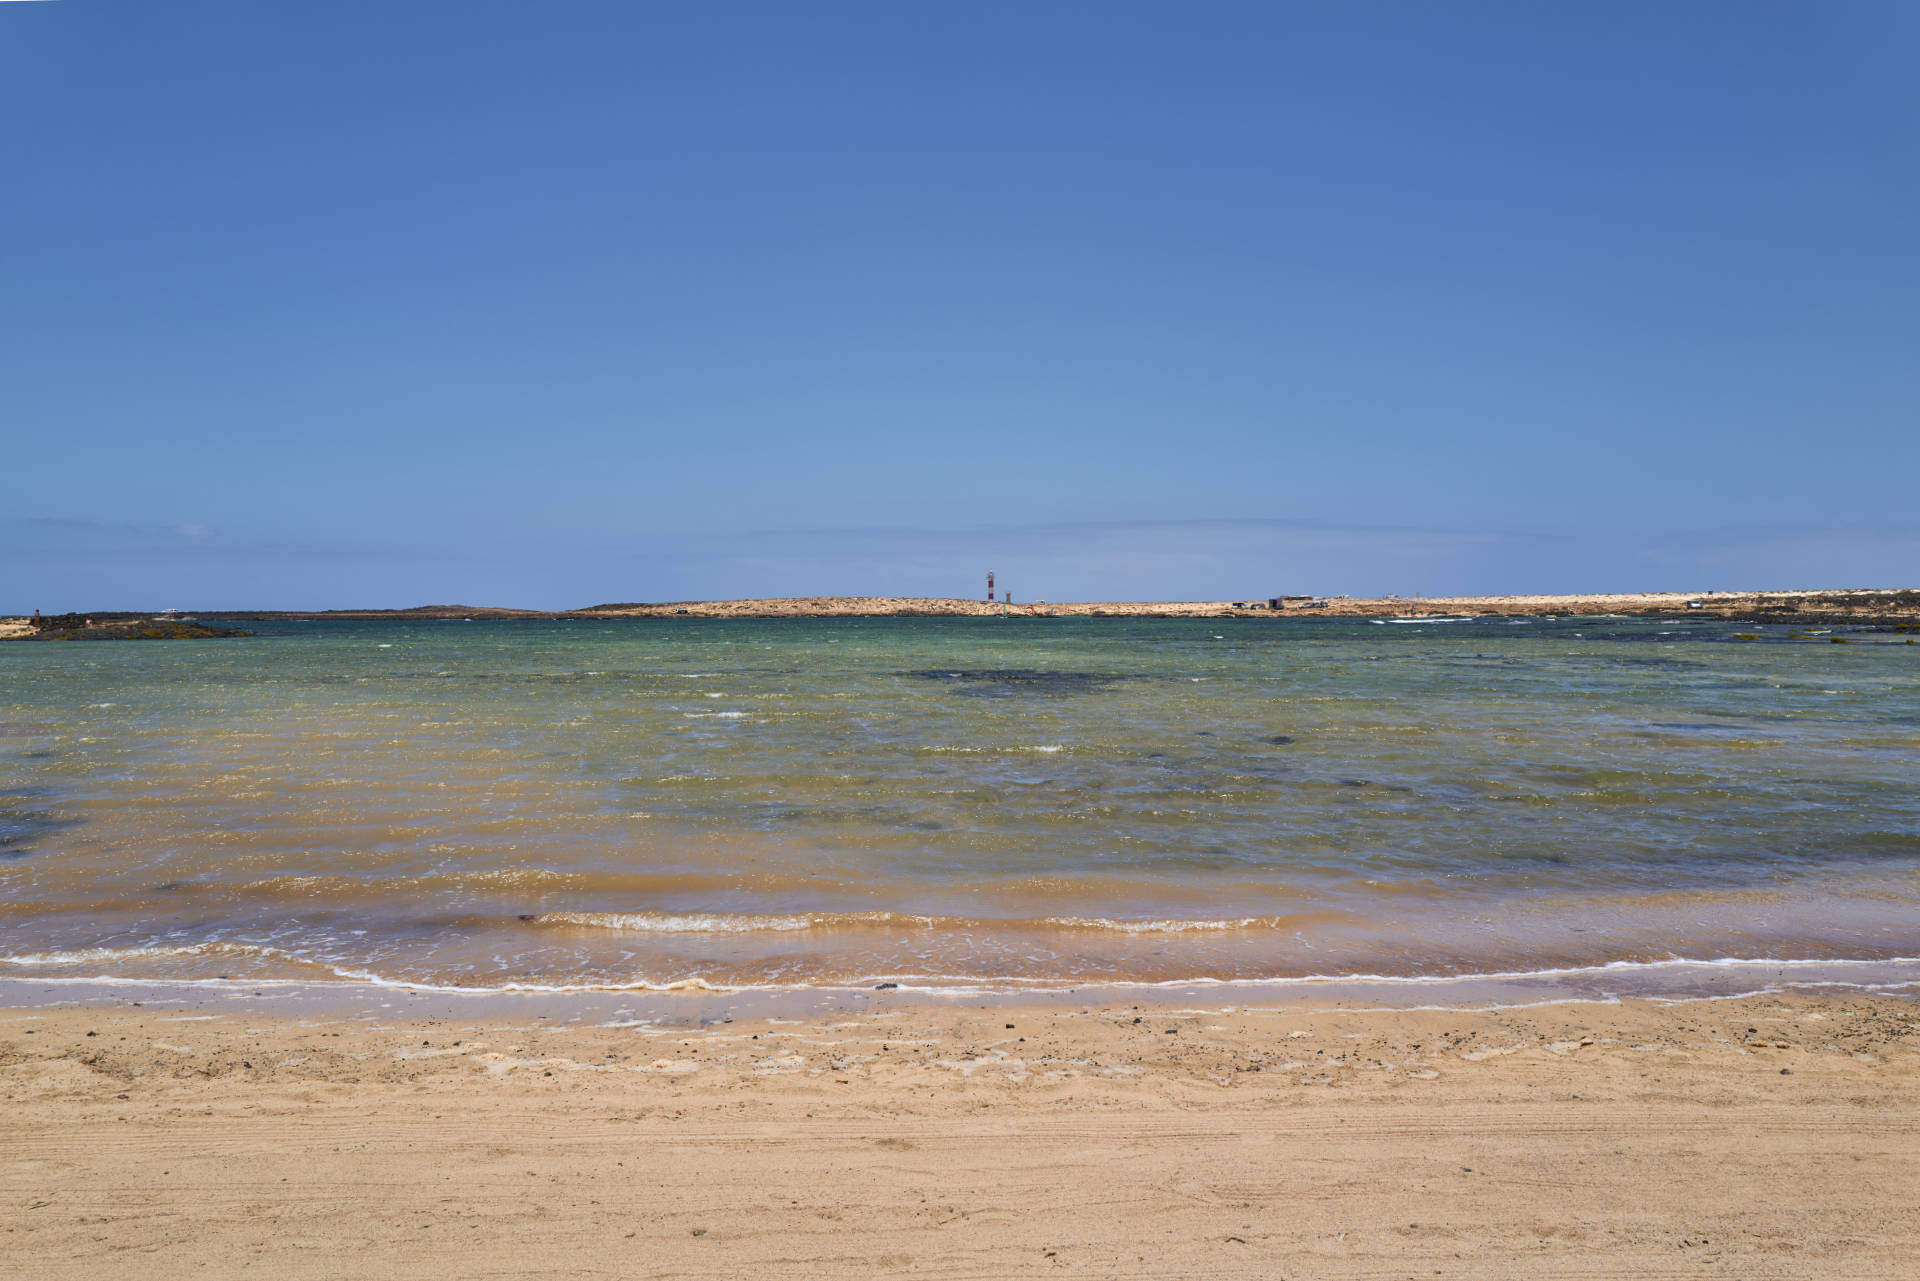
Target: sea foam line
746, 923
1005, 985
666, 923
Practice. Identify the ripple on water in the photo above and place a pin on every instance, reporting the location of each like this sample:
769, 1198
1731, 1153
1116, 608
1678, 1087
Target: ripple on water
1405, 799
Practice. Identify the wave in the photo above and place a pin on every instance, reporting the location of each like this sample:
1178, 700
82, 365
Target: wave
1478, 989
749, 922
940, 749
670, 923
1161, 927
155, 952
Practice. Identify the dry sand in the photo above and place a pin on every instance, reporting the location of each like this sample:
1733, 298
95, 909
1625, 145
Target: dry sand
1757, 1138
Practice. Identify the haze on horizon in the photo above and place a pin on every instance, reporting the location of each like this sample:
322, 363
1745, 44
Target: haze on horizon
356, 305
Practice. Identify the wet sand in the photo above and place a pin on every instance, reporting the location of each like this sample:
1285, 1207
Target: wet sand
1772, 1136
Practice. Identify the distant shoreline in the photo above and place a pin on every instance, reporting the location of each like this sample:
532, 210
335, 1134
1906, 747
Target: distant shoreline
1791, 606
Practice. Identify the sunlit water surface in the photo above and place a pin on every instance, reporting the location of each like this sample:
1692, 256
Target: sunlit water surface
953, 803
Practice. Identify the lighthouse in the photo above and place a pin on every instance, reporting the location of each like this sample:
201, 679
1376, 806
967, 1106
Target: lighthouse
989, 587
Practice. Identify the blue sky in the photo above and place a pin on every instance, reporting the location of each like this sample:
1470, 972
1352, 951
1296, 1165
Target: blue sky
314, 305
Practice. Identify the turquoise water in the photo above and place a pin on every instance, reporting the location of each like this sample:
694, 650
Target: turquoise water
953, 802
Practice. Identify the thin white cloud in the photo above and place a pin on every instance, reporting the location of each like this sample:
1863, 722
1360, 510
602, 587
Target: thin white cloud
55, 564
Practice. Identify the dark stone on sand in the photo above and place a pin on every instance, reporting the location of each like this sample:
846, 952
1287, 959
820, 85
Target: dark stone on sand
881, 987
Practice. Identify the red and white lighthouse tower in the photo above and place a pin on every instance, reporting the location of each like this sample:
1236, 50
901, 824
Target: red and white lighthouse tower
989, 587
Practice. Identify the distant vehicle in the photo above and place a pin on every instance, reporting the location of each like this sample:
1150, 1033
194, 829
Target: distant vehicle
1696, 604
682, 611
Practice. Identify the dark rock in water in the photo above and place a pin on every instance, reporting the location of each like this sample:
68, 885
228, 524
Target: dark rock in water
1281, 740
529, 916
62, 627
881, 987
27, 817
1667, 664
1009, 682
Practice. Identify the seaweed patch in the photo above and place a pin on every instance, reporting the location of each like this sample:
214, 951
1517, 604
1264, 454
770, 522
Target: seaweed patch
1008, 682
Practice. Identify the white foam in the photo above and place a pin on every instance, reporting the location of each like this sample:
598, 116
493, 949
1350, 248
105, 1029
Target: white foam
1150, 927
691, 923
93, 955
958, 986
956, 749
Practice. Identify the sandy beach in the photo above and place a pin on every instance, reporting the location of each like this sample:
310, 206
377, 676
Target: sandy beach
1224, 810
827, 841
1764, 1137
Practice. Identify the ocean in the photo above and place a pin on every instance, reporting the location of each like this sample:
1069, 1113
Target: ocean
968, 805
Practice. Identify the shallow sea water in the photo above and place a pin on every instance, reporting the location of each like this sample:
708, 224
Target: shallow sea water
964, 804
